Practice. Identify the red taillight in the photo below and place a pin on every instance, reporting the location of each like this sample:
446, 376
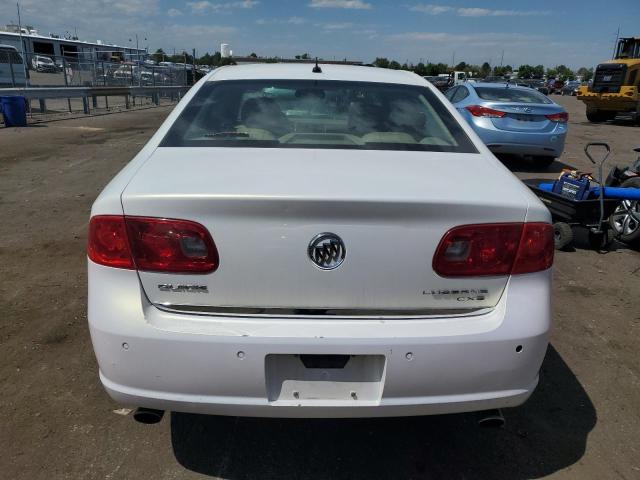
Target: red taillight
153, 244
562, 117
480, 111
536, 248
494, 249
108, 243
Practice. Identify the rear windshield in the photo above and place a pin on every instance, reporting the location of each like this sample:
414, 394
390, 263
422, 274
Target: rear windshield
516, 95
317, 114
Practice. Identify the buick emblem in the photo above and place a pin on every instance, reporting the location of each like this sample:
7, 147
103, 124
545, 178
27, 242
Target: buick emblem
327, 251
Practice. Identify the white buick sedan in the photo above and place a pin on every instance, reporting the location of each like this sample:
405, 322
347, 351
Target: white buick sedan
318, 242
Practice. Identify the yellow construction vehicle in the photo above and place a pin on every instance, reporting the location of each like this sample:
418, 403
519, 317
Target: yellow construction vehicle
616, 84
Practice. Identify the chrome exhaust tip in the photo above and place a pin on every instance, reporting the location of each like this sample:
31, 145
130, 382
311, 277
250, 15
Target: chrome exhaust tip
148, 416
491, 419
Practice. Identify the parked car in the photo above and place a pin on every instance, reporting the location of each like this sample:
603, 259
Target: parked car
153, 77
555, 86
570, 88
538, 85
127, 73
513, 120
42, 63
495, 79
625, 220
11, 67
105, 73
346, 248
442, 83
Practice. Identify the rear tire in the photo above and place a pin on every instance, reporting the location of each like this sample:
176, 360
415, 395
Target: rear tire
543, 161
562, 235
596, 116
626, 226
593, 115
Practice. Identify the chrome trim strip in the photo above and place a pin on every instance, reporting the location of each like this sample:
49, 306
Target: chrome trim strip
320, 312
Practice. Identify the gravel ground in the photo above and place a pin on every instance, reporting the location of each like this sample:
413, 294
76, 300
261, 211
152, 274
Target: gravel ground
582, 422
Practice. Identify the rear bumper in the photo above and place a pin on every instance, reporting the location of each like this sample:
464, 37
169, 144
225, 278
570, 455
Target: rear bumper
260, 407
216, 365
521, 143
524, 149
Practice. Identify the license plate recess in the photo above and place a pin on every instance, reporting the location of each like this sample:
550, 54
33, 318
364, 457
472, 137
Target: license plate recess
359, 381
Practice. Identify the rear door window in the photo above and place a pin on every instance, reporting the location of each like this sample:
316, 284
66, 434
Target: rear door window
450, 93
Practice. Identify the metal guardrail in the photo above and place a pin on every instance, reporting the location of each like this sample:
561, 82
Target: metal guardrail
86, 93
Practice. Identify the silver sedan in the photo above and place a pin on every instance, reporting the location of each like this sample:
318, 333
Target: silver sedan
513, 120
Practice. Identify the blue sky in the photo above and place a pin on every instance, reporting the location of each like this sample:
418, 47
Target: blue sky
576, 33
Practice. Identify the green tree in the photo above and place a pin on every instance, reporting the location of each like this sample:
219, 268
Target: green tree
502, 71
462, 66
538, 71
485, 69
585, 73
226, 61
529, 71
208, 59
205, 59
159, 55
253, 55
434, 69
394, 65
564, 72
381, 62
183, 57
525, 71
420, 69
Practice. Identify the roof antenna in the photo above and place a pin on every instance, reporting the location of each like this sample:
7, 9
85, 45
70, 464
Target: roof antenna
316, 68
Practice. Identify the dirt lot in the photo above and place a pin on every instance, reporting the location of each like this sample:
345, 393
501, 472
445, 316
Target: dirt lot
56, 421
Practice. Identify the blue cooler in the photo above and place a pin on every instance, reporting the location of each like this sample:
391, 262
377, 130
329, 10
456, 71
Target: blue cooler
14, 111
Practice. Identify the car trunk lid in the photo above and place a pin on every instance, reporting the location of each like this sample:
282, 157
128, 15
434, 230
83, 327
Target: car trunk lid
263, 207
525, 117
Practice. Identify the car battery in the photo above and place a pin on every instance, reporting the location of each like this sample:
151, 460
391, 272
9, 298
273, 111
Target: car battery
571, 186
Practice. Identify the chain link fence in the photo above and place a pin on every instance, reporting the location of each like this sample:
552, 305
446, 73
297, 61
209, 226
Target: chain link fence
38, 70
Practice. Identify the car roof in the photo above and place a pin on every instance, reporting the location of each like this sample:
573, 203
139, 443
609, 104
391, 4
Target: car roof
303, 71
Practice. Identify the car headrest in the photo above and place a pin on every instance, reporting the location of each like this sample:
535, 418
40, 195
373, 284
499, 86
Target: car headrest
366, 117
260, 106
